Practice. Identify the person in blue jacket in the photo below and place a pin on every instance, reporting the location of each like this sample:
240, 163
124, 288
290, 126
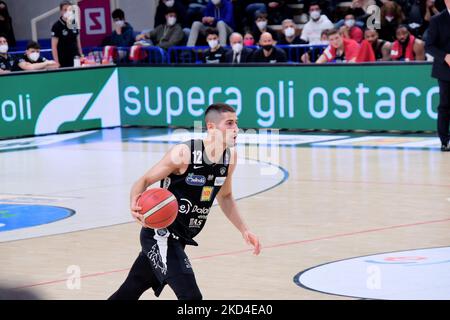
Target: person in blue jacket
218, 14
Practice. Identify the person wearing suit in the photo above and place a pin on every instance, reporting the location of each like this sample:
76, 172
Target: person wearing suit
238, 53
438, 45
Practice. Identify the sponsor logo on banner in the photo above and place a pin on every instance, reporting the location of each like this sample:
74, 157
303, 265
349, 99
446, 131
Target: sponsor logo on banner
207, 193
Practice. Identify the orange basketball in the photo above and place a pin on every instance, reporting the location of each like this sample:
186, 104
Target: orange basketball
159, 207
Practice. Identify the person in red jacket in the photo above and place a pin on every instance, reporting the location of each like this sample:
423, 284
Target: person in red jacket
373, 48
407, 47
340, 49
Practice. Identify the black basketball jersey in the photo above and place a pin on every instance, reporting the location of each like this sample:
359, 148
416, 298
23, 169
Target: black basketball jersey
196, 190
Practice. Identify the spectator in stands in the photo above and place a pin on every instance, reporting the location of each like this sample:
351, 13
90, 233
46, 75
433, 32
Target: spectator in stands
66, 42
350, 30
249, 39
215, 53
268, 53
277, 11
238, 53
340, 49
32, 59
428, 9
165, 35
123, 33
313, 54
289, 35
219, 14
7, 62
314, 27
360, 10
391, 17
261, 25
406, 47
252, 7
6, 27
195, 11
178, 6
373, 48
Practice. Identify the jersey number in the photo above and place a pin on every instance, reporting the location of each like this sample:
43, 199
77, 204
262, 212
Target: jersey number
197, 157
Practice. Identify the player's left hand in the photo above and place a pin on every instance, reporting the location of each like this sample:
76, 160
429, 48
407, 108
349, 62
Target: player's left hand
253, 240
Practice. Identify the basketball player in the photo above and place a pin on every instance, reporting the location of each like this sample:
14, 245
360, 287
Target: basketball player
196, 172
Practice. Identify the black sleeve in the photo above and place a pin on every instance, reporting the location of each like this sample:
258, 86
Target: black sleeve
432, 41
56, 32
281, 56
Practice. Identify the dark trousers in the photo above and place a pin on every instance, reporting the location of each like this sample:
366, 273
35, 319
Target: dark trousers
141, 278
444, 112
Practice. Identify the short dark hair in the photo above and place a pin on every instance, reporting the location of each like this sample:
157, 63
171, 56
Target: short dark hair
401, 26
219, 108
2, 35
260, 14
314, 3
64, 3
118, 14
33, 45
330, 32
211, 31
171, 10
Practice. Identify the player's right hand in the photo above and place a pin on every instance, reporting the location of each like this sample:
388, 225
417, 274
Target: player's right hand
135, 211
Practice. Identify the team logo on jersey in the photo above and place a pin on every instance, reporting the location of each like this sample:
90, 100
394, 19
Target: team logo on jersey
219, 181
207, 193
210, 177
166, 183
222, 170
185, 206
195, 180
162, 232
65, 33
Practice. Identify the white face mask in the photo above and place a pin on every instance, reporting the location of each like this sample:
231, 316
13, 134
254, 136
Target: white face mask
68, 15
171, 21
34, 56
315, 14
170, 3
261, 25
237, 47
216, 2
4, 48
289, 32
350, 22
119, 23
213, 43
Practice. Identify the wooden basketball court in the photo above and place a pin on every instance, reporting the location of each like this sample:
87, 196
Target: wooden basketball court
320, 203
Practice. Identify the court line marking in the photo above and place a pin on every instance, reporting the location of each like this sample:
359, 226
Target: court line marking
231, 253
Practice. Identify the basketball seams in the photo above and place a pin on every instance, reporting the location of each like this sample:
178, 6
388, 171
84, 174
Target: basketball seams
159, 206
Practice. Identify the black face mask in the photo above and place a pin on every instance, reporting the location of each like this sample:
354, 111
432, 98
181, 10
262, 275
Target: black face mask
267, 47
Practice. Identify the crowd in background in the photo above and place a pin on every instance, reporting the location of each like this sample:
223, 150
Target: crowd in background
241, 31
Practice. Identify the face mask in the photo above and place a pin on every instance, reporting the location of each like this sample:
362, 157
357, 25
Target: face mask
119, 23
171, 21
350, 23
34, 56
213, 43
289, 32
216, 2
325, 42
267, 47
170, 3
389, 18
249, 42
4, 48
237, 47
68, 15
261, 25
315, 14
